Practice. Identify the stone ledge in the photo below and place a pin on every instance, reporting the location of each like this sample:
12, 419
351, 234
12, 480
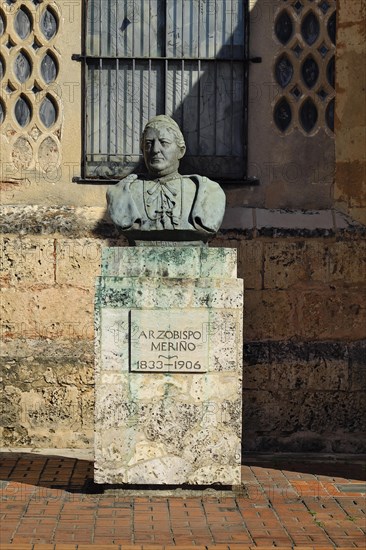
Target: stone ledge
289, 223
250, 222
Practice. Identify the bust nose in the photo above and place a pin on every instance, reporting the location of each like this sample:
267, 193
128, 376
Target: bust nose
155, 147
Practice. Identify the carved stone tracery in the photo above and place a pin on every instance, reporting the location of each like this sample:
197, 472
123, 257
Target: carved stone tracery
305, 66
30, 103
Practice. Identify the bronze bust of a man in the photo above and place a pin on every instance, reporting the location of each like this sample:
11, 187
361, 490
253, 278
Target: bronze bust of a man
164, 205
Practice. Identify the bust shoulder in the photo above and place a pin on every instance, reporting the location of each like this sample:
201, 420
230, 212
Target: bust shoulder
206, 183
128, 179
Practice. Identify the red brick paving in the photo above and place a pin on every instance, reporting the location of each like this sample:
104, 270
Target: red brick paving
52, 503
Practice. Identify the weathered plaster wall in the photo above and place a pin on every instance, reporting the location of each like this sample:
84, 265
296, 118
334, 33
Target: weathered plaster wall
350, 187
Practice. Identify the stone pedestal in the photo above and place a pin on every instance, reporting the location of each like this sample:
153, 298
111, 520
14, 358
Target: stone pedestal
168, 366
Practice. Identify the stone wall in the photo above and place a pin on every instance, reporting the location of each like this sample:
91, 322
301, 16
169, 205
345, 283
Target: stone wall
304, 326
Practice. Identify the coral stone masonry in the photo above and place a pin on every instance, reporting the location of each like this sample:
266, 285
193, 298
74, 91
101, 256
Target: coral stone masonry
168, 366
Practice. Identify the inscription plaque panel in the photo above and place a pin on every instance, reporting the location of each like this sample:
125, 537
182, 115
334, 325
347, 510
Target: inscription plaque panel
166, 340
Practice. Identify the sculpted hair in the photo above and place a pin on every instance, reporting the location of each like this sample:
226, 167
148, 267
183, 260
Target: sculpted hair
157, 122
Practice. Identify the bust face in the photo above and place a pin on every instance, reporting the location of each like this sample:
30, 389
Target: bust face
161, 152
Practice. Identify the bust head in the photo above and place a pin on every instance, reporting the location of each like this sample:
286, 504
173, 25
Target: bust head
162, 144
175, 208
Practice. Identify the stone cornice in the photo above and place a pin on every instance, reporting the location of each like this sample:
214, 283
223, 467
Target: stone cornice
248, 222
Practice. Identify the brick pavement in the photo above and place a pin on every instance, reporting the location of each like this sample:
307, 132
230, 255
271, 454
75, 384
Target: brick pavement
51, 502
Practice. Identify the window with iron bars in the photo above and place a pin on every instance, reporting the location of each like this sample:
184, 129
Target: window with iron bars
184, 58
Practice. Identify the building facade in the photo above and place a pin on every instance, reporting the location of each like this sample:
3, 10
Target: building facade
270, 95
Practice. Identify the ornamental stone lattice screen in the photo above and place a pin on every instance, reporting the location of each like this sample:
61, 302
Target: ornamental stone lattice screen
305, 66
31, 104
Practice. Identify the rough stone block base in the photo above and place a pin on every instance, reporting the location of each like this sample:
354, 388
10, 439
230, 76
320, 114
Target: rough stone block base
168, 367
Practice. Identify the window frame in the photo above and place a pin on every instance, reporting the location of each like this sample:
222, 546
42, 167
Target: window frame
83, 58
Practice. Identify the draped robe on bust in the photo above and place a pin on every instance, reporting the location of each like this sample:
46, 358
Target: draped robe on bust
191, 203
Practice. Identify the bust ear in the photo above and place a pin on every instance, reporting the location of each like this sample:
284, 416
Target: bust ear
182, 152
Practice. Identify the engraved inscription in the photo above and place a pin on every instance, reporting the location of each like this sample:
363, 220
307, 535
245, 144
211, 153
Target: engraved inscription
169, 340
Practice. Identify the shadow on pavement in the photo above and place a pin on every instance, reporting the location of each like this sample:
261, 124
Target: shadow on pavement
76, 476
349, 467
